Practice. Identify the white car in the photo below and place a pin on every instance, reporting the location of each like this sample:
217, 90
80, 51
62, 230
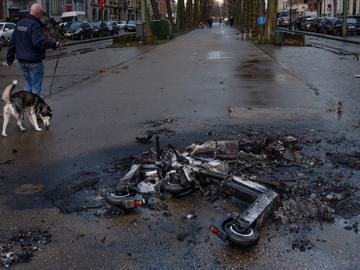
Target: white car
121, 24
6, 31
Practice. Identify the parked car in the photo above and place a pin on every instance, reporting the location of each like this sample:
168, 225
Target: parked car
351, 27
99, 28
71, 16
329, 25
6, 31
299, 21
121, 24
305, 24
315, 25
130, 26
283, 21
79, 30
113, 28
357, 18
334, 26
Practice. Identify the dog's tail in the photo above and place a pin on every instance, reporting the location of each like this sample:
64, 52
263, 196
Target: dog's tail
8, 90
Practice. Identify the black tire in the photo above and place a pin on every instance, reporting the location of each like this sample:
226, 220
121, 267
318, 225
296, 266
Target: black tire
176, 188
2, 41
246, 239
81, 36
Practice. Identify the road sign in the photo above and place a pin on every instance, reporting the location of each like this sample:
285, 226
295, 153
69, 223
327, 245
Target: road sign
261, 20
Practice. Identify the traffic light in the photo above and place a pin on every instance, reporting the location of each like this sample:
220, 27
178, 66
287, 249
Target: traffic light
101, 4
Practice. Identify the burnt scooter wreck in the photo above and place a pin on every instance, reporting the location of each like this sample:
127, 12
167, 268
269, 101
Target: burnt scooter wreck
179, 174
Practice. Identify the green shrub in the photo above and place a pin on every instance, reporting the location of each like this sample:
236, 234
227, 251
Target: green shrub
161, 29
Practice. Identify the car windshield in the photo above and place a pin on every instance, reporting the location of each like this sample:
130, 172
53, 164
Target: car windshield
94, 24
131, 22
351, 20
67, 19
75, 25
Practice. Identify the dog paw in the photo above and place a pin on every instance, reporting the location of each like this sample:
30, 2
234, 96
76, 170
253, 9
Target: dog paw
22, 129
38, 129
4, 135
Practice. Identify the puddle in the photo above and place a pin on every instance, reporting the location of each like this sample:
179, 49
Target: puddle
218, 55
256, 69
29, 189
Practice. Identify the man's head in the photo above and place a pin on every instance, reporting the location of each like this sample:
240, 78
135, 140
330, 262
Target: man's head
36, 10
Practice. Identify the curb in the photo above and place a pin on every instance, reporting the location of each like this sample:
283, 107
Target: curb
96, 39
321, 36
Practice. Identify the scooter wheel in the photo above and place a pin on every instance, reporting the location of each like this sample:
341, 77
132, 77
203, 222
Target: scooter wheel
176, 188
245, 239
118, 198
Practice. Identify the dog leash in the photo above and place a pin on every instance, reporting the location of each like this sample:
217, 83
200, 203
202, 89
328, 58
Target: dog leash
53, 76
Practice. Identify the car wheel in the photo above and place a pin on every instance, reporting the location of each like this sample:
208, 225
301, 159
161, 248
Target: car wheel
244, 239
81, 36
2, 41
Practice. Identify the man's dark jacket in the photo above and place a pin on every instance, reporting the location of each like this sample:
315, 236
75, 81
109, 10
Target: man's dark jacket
28, 42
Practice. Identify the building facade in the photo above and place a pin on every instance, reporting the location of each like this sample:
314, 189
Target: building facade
113, 9
334, 7
295, 8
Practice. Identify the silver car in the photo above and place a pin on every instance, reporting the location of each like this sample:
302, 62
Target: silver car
6, 31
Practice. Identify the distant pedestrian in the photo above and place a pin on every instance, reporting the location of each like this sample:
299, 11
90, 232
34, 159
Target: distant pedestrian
28, 44
231, 22
210, 22
220, 20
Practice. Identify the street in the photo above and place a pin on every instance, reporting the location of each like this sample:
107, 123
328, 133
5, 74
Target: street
206, 84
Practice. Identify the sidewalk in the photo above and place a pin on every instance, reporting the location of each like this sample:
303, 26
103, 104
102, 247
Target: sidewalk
203, 78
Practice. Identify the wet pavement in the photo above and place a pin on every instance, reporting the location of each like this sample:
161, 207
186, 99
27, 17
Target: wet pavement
210, 83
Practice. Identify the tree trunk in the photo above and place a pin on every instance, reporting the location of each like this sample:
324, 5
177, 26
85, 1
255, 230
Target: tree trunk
196, 12
270, 25
155, 10
180, 20
169, 11
189, 13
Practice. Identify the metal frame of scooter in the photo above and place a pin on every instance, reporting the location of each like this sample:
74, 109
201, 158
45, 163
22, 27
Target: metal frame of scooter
261, 199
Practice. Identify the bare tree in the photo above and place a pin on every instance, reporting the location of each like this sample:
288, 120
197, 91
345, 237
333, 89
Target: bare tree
196, 12
189, 13
155, 10
271, 18
169, 11
181, 16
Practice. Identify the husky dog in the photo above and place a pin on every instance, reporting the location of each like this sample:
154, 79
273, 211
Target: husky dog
19, 103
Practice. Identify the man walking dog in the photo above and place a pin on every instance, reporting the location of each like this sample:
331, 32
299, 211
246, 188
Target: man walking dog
28, 43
